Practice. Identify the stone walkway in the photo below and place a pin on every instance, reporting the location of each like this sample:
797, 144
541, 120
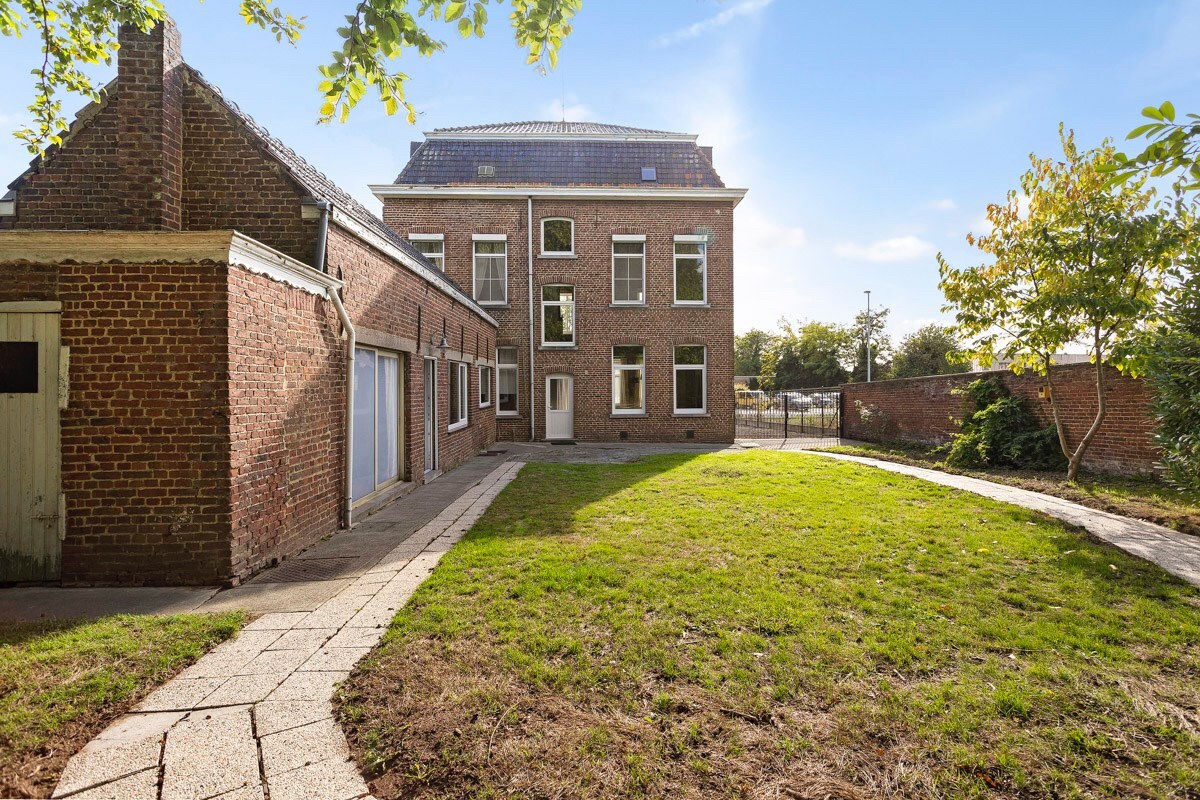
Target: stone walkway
1177, 553
253, 719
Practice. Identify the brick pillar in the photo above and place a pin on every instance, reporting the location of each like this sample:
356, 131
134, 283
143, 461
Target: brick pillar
149, 102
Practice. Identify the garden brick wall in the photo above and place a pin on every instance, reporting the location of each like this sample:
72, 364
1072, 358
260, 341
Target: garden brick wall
924, 411
658, 326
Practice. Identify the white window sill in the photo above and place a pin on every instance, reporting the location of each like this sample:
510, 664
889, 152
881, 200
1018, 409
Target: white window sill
690, 304
485, 405
508, 415
628, 415
491, 304
686, 414
559, 346
458, 426
627, 305
557, 255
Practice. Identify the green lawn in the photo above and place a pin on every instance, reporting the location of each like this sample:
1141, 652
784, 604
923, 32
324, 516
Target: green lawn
62, 682
1138, 497
768, 624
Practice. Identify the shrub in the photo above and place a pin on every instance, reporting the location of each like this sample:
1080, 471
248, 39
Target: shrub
876, 423
999, 431
1173, 371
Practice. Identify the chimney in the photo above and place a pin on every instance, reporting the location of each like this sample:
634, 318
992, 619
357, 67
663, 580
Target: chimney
149, 104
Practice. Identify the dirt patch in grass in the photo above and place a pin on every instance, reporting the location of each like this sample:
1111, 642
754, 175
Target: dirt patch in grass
62, 682
1139, 498
776, 625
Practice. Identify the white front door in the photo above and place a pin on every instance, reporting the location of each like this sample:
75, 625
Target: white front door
431, 454
31, 501
560, 407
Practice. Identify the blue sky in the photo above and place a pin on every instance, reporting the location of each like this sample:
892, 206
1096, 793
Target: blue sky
871, 134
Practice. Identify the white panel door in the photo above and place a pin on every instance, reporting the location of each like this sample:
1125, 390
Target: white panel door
560, 407
31, 502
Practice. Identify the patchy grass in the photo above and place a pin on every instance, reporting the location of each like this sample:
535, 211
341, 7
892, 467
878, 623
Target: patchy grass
767, 624
62, 682
1140, 498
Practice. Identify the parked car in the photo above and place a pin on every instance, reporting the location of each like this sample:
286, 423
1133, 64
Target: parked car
795, 401
751, 399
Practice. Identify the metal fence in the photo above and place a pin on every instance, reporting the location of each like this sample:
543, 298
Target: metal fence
784, 414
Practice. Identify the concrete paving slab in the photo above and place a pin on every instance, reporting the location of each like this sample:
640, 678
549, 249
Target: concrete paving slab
180, 693
328, 780
308, 639
208, 753
241, 689
133, 727
277, 621
262, 598
274, 716
354, 637
104, 760
298, 747
276, 662
308, 685
336, 659
139, 786
31, 603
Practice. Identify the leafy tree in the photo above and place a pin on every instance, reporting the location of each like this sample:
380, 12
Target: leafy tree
932, 350
78, 33
881, 346
748, 353
1087, 263
806, 357
1174, 147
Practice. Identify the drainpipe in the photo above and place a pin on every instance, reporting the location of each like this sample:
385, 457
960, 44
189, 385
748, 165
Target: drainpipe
532, 371
351, 340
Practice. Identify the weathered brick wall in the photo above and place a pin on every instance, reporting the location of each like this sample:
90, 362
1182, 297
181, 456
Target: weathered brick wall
383, 297
924, 410
287, 419
145, 435
658, 326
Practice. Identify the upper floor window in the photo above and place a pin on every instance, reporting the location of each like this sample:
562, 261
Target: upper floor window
690, 379
432, 245
558, 237
491, 268
629, 372
629, 270
558, 315
691, 269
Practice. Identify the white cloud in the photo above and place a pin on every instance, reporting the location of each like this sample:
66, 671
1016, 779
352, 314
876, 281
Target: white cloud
899, 248
744, 8
570, 111
942, 204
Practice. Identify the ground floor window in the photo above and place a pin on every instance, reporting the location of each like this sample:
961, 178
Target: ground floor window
629, 391
690, 379
485, 387
458, 395
506, 388
376, 459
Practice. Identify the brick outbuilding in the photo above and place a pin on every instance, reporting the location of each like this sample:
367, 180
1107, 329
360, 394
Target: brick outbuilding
210, 355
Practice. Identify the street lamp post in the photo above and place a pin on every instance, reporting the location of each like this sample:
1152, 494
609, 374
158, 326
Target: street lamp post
868, 332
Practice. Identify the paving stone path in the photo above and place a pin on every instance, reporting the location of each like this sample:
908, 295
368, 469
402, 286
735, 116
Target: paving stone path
253, 718
1177, 553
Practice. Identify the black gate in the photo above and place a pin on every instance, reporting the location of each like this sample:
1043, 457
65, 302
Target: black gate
803, 414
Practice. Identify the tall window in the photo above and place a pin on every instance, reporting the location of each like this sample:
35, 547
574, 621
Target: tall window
491, 269
558, 237
458, 396
691, 273
376, 420
558, 316
506, 381
433, 246
629, 372
690, 379
629, 270
485, 386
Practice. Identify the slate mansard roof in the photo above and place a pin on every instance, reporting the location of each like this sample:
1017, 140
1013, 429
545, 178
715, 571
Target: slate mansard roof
559, 154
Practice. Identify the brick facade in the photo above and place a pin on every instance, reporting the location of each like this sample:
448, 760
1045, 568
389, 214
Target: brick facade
658, 325
924, 410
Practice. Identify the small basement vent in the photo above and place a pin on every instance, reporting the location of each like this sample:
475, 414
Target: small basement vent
487, 171
649, 174
691, 434
623, 435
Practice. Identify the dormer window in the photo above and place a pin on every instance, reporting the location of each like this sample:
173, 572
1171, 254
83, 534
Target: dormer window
487, 171
558, 237
649, 174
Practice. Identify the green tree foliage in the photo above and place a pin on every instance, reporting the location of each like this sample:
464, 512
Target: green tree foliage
809, 356
1086, 264
75, 34
1173, 148
881, 346
1172, 364
932, 350
748, 352
999, 431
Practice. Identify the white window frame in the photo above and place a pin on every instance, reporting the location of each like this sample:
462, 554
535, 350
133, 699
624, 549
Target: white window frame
557, 253
488, 237
702, 368
485, 382
440, 263
516, 369
574, 319
626, 238
616, 378
464, 396
398, 358
689, 239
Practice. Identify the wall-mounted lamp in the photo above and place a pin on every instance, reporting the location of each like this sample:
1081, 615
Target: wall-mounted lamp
440, 343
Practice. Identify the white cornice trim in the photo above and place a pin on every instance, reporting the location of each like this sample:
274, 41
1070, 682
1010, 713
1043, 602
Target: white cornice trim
574, 137
629, 237
256, 257
426, 237
424, 191
439, 281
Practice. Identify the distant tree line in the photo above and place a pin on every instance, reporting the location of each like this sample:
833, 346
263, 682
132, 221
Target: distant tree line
812, 354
